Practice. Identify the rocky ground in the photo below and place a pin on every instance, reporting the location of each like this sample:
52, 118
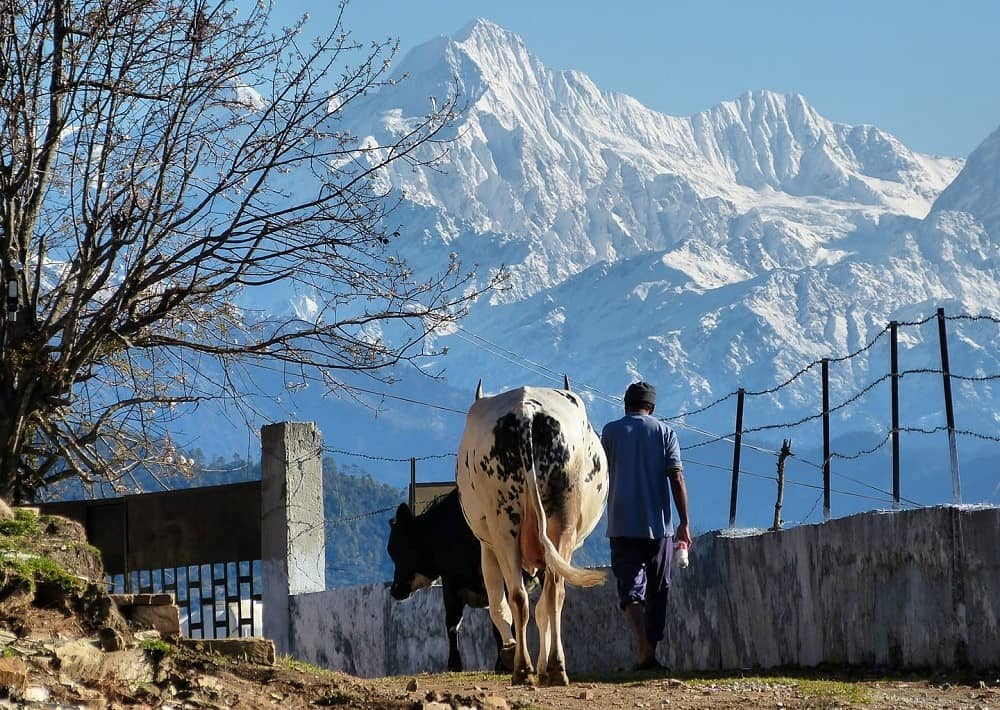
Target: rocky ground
63, 644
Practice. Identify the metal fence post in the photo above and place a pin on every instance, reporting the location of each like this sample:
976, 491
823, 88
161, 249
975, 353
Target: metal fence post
956, 486
737, 441
826, 438
894, 373
413, 485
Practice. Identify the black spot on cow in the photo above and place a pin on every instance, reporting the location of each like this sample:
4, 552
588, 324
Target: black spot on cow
509, 438
513, 515
552, 455
596, 467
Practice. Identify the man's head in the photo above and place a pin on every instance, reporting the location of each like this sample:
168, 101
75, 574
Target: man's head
640, 396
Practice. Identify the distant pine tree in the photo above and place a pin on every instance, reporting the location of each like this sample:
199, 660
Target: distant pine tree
357, 509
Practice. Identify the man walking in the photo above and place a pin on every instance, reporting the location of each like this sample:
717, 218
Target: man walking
645, 466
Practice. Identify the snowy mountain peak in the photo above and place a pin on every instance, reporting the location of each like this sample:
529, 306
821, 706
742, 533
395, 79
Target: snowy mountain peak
552, 175
976, 190
483, 31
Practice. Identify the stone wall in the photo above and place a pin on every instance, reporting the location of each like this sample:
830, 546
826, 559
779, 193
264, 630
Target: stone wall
908, 589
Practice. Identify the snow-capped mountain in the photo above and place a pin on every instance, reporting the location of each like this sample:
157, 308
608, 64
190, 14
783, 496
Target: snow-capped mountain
976, 191
730, 247
727, 249
553, 175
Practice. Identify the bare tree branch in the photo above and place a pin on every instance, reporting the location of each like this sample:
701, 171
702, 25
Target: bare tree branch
160, 163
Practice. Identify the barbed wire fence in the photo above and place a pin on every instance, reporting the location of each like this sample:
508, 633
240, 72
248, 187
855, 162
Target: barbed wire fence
741, 438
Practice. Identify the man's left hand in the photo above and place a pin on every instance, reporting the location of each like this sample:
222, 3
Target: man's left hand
683, 534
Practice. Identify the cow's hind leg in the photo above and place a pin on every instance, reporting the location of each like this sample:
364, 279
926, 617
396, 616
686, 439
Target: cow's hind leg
543, 618
556, 661
499, 610
509, 563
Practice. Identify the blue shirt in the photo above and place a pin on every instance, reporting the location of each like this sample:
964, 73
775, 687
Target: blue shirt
641, 451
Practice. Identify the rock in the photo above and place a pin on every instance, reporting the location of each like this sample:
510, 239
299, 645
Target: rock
412, 685
495, 702
111, 639
6, 512
586, 695
255, 650
36, 694
207, 681
86, 662
13, 674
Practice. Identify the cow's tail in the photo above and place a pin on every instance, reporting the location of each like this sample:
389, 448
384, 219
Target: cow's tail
553, 560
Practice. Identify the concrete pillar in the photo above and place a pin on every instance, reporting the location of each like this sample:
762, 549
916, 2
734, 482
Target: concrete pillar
293, 552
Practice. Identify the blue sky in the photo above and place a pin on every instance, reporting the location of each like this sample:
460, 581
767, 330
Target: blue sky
928, 72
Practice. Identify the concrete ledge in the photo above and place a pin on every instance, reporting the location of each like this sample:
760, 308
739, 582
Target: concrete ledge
160, 599
150, 611
254, 650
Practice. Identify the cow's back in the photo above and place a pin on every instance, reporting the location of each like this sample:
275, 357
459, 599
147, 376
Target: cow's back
506, 433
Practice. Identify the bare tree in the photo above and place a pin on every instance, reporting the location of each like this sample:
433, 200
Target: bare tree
160, 162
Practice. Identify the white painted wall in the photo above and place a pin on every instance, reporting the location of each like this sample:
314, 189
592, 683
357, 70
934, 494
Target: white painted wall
907, 589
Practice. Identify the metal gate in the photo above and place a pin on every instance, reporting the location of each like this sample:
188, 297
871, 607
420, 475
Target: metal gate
200, 544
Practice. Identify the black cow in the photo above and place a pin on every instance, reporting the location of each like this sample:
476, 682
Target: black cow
439, 544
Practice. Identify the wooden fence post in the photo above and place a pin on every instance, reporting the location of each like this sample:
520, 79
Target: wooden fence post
786, 451
737, 442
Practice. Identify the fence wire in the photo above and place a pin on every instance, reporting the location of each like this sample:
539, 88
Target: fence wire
709, 437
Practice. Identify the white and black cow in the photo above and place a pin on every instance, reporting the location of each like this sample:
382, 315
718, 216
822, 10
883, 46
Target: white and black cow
533, 480
439, 544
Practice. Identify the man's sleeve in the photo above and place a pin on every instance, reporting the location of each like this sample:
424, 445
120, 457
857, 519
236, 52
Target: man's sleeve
672, 451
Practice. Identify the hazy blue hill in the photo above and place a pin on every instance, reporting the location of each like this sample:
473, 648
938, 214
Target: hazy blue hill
358, 509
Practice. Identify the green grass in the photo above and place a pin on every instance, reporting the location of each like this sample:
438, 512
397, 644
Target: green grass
24, 524
41, 569
156, 648
18, 562
294, 664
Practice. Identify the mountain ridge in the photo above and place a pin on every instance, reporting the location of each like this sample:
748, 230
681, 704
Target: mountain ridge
575, 175
727, 250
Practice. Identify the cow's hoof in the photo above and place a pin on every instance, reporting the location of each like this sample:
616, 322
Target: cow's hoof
506, 658
554, 679
525, 676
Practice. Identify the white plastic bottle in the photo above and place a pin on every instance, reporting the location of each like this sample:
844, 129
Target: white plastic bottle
681, 554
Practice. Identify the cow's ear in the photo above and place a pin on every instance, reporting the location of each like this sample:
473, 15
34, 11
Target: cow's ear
403, 514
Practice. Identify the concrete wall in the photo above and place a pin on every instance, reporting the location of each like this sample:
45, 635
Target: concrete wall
906, 590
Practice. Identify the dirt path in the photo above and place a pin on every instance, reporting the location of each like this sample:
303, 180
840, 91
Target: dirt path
632, 690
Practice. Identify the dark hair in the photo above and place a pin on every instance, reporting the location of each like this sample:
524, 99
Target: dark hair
640, 394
